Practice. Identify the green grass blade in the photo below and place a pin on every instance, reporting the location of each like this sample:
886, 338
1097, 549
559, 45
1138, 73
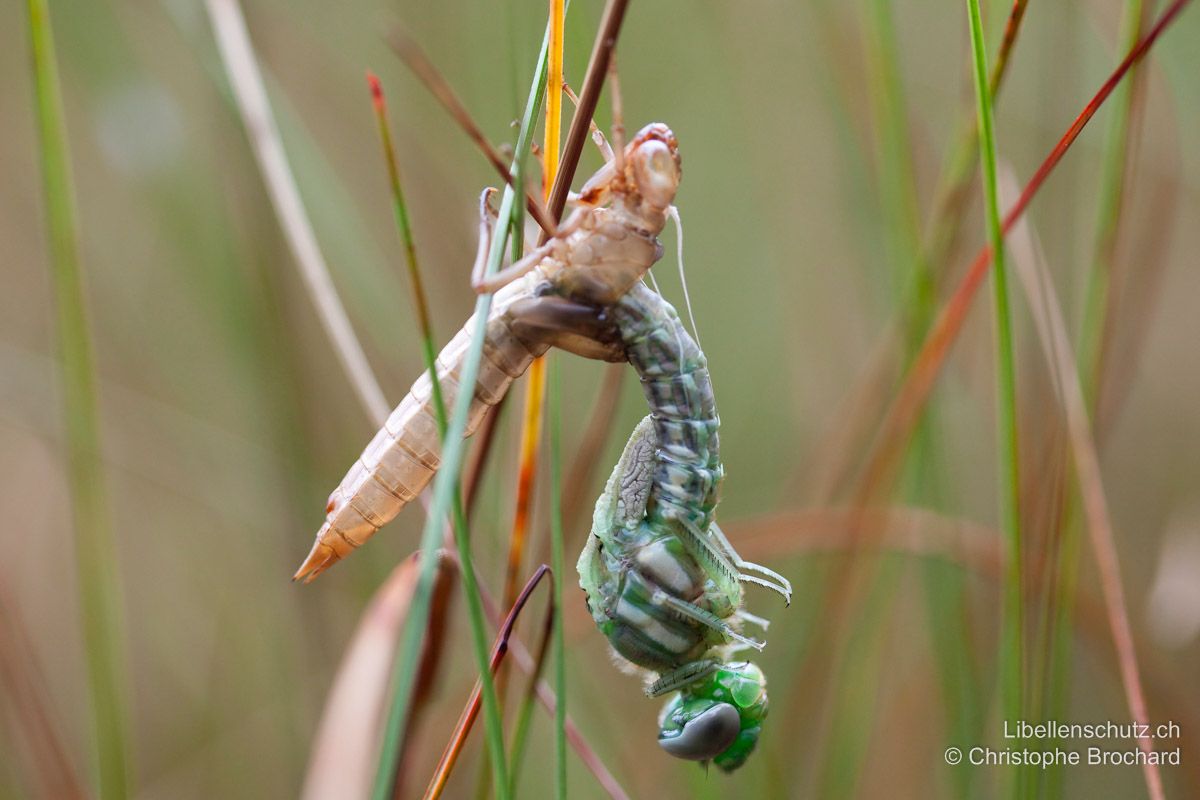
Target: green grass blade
444, 497
404, 227
425, 329
959, 165
1012, 660
1108, 212
99, 594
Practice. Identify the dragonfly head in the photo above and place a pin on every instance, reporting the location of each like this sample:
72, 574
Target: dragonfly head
717, 719
653, 166
646, 186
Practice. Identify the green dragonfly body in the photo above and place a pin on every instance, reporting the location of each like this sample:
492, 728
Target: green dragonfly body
662, 582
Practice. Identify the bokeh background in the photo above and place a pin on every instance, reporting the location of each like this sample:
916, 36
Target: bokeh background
226, 419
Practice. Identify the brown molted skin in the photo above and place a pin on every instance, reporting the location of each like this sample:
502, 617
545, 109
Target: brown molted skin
605, 251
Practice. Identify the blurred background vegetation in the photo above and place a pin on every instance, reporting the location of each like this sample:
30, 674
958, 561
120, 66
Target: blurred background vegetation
812, 137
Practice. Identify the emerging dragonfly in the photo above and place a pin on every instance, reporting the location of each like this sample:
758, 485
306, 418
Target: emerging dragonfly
556, 295
663, 583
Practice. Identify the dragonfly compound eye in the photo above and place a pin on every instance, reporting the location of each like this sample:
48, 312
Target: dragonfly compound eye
656, 172
704, 736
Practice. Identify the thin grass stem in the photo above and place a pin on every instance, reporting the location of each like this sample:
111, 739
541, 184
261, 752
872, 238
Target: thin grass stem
1012, 666
1114, 169
1011, 28
99, 587
550, 148
425, 329
404, 227
954, 181
913, 299
897, 180
445, 490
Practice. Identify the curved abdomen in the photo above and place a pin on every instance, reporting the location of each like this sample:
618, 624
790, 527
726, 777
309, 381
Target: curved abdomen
406, 452
624, 567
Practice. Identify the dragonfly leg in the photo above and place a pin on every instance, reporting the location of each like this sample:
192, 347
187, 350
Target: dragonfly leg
694, 612
712, 559
570, 326
776, 581
526, 264
486, 226
506, 276
618, 118
678, 678
602, 145
710, 551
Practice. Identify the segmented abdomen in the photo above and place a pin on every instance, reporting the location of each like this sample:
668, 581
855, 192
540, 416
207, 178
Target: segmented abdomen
675, 380
639, 549
406, 452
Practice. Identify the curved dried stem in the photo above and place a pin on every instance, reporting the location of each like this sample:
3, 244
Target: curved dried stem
467, 719
545, 695
237, 55
412, 55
